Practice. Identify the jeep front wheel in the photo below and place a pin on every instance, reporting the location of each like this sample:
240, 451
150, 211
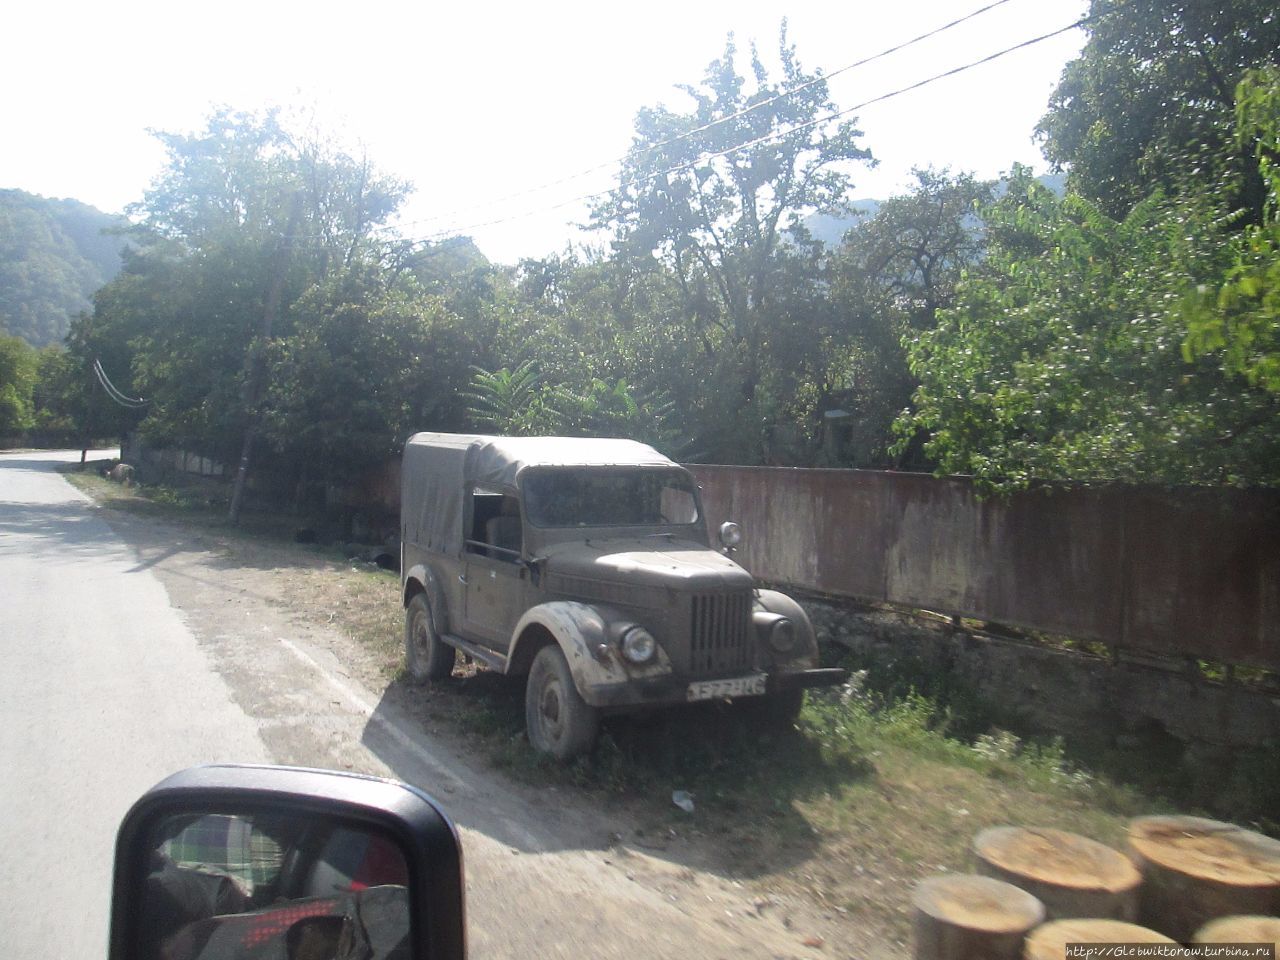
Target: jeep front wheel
426, 656
559, 721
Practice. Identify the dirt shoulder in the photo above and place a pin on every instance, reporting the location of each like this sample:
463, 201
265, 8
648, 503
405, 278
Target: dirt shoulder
803, 840
287, 627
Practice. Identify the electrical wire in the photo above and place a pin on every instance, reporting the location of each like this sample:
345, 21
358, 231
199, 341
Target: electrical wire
113, 392
888, 51
776, 135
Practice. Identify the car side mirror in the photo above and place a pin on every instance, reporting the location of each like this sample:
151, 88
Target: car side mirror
250, 861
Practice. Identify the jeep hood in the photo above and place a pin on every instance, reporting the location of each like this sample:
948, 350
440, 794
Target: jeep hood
652, 561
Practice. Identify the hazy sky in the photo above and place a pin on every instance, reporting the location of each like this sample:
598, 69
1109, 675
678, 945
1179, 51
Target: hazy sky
473, 102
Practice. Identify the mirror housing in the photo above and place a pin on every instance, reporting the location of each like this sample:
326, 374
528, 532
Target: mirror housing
730, 534
403, 815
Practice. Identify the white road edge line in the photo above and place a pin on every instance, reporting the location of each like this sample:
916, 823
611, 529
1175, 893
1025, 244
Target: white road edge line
452, 784
354, 699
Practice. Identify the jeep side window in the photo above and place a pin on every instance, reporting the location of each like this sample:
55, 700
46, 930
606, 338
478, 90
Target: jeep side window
495, 525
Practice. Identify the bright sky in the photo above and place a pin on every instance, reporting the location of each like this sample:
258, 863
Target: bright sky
473, 102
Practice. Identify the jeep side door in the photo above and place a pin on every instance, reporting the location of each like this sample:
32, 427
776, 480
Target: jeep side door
495, 599
495, 579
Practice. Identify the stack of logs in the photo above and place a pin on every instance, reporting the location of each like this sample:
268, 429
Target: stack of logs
1185, 880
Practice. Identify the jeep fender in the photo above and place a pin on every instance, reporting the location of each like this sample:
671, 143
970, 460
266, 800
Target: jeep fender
420, 578
580, 629
775, 602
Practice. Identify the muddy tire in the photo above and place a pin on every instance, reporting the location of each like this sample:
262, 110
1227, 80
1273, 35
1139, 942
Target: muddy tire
558, 720
426, 656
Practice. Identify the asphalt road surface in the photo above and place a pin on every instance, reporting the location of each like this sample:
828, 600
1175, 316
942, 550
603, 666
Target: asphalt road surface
130, 653
104, 692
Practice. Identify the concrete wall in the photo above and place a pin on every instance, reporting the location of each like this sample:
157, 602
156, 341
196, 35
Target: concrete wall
1188, 572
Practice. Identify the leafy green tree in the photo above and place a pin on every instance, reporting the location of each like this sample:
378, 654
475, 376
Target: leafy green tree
891, 276
514, 402
1240, 318
58, 397
710, 204
19, 366
1062, 359
242, 222
370, 360
1151, 99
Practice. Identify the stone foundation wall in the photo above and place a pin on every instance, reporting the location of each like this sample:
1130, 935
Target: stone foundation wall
1062, 691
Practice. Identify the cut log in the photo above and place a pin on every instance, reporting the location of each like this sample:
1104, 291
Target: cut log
967, 917
1240, 930
1071, 875
1196, 870
1049, 942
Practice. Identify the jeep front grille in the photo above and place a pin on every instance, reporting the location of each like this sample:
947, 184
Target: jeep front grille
720, 634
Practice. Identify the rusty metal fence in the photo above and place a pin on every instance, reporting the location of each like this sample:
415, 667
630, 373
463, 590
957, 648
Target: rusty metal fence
1185, 572
1177, 573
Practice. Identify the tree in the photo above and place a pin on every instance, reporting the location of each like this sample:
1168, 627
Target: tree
1150, 100
514, 402
370, 360
213, 269
891, 276
1240, 318
58, 400
711, 202
18, 368
1062, 359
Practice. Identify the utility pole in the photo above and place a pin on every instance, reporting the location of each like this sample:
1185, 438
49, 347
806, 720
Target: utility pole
257, 365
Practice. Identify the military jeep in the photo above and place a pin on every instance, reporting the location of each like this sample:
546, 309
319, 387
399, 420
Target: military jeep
585, 564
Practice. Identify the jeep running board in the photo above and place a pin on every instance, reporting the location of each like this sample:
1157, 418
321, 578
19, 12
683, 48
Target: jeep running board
490, 658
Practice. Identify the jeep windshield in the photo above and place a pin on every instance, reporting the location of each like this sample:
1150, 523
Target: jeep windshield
608, 497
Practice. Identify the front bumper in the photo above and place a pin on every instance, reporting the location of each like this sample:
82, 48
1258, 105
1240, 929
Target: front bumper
673, 689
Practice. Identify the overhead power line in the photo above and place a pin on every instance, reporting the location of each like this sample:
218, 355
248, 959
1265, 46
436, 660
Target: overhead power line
133, 403
767, 138
888, 51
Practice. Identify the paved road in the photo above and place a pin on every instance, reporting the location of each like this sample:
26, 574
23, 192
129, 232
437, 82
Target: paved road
103, 692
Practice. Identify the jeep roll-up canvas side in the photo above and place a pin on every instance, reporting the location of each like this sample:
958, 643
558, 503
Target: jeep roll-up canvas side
586, 564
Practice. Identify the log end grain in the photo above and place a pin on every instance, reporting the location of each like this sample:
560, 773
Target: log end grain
977, 903
1196, 870
963, 916
1240, 930
1207, 849
1055, 858
1049, 942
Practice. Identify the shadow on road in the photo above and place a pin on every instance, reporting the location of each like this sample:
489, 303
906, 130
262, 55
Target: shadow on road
66, 528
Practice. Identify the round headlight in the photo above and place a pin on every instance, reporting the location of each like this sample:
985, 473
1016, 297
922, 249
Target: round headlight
638, 645
730, 534
782, 637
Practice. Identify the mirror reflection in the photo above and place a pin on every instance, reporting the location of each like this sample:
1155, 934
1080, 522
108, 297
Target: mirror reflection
223, 886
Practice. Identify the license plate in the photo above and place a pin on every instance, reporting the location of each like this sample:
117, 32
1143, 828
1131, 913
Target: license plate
752, 686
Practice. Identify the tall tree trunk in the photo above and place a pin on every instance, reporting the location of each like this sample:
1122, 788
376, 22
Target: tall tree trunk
257, 368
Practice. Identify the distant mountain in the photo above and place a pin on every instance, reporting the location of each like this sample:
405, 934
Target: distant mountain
54, 255
831, 230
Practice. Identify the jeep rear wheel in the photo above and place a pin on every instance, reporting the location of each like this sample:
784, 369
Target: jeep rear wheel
426, 656
559, 721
